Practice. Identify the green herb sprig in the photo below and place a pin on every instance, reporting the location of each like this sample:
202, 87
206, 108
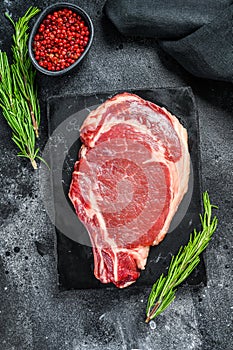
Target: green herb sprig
181, 266
18, 92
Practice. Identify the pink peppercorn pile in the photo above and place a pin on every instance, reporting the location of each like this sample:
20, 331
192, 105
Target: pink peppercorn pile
60, 40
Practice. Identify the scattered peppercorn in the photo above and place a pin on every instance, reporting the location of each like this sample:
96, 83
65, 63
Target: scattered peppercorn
60, 40
16, 249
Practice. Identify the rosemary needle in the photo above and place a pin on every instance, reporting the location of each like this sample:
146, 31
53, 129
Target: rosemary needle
181, 266
18, 93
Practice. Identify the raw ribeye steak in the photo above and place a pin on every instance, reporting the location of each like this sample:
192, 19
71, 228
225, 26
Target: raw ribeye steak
132, 173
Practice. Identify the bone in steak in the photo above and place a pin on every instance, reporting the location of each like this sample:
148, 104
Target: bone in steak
132, 173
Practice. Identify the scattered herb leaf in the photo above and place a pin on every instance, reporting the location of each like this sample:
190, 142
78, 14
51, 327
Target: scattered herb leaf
181, 266
18, 92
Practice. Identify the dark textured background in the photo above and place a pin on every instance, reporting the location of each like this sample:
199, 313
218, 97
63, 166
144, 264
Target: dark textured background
32, 314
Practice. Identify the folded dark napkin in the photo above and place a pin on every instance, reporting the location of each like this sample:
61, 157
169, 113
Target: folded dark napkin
198, 34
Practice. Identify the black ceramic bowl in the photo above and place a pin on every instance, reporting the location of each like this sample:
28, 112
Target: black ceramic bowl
48, 10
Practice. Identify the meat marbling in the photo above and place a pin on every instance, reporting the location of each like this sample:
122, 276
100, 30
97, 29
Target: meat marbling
132, 173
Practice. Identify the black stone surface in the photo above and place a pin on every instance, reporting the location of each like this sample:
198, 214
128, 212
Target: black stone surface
75, 260
32, 314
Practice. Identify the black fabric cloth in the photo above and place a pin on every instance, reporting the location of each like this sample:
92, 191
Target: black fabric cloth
198, 34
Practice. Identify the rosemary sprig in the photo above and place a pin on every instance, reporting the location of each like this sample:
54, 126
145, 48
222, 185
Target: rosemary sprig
18, 93
181, 266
